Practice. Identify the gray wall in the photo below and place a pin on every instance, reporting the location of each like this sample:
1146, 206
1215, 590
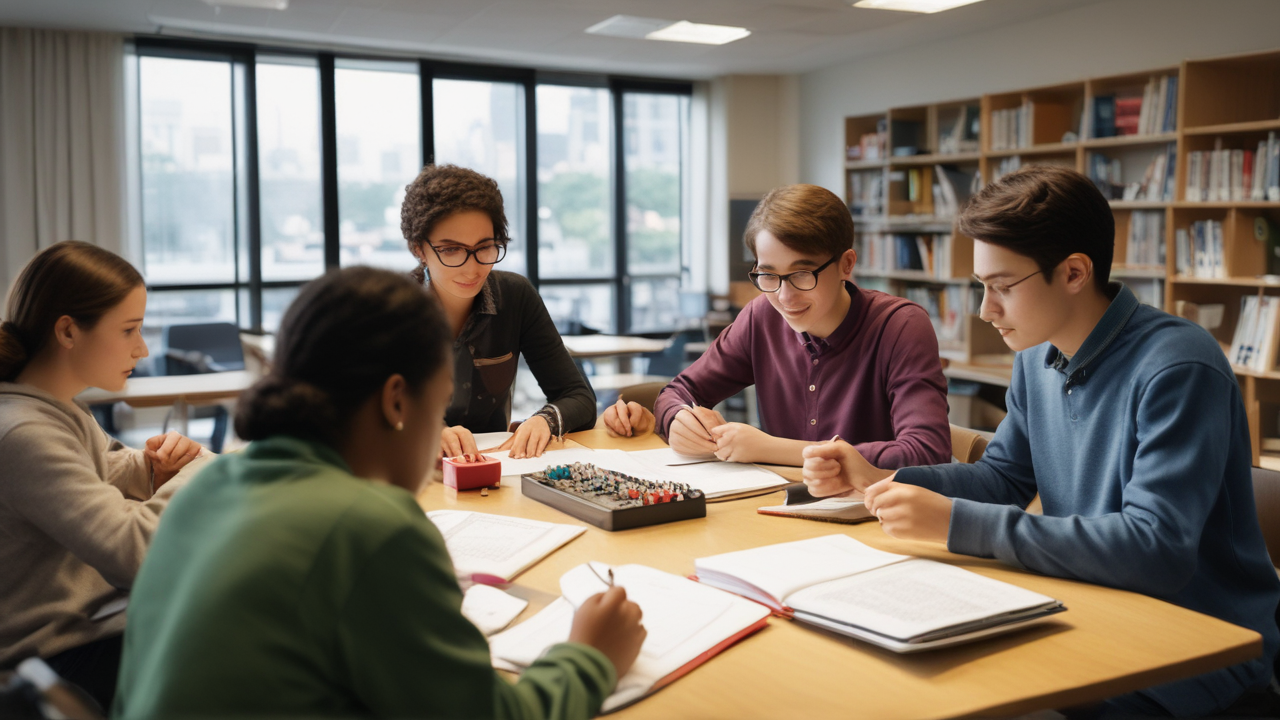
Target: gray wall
1107, 38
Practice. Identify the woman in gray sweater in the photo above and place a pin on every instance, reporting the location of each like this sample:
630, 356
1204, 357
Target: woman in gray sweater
77, 509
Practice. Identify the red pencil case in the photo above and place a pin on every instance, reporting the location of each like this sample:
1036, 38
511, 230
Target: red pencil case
461, 474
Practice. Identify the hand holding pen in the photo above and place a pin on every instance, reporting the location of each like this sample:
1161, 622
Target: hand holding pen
690, 432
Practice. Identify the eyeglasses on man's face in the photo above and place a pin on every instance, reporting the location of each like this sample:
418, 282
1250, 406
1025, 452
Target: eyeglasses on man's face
1001, 290
489, 253
802, 280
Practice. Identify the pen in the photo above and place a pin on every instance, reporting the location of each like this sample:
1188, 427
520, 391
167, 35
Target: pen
694, 413
595, 572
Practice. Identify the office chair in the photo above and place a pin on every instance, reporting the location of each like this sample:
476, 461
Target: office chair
204, 348
670, 361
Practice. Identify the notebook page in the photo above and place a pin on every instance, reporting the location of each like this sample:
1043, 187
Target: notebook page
497, 544
782, 569
714, 479
490, 609
512, 466
666, 457
684, 619
912, 598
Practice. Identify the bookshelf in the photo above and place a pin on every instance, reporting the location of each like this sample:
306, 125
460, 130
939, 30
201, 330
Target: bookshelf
1141, 136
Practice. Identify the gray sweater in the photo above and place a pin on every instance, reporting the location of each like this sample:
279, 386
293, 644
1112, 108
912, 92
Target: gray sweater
76, 514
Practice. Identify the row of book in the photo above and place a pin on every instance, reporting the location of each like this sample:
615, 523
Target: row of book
1198, 250
1011, 129
963, 135
1235, 175
1148, 291
946, 306
1146, 238
1152, 113
1253, 345
866, 193
927, 253
1157, 182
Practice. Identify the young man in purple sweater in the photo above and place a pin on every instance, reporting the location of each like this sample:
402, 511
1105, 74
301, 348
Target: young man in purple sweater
1127, 421
827, 358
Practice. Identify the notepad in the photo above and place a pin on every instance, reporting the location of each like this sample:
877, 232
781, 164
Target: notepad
897, 602
521, 466
490, 440
687, 624
801, 504
498, 545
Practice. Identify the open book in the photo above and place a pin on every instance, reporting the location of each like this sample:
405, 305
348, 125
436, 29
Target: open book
801, 504
897, 602
495, 548
688, 623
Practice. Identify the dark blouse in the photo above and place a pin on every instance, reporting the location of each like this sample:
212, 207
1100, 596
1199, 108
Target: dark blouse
508, 320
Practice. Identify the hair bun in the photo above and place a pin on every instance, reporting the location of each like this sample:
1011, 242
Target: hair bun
13, 351
277, 405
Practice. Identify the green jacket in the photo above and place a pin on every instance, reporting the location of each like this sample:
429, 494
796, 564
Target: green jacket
280, 584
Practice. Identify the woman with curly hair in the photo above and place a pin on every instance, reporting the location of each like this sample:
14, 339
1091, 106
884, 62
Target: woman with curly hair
454, 222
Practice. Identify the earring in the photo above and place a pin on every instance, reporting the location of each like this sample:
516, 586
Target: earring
400, 425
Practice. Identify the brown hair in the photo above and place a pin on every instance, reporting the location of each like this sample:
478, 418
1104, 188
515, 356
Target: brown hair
1046, 213
806, 218
76, 279
442, 190
339, 341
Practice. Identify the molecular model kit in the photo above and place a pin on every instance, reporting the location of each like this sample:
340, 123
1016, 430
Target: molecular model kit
613, 500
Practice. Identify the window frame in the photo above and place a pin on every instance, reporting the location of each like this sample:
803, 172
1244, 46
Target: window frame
243, 58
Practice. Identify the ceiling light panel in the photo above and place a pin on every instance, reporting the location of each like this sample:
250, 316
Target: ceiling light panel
917, 6
687, 32
259, 4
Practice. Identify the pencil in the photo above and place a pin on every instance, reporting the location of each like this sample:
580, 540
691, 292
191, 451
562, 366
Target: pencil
694, 413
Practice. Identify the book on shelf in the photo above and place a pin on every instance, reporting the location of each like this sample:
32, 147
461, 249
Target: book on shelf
1199, 251
1146, 238
962, 135
1206, 315
897, 602
688, 623
1234, 174
1253, 344
954, 188
1149, 291
929, 253
1011, 128
1006, 166
945, 306
1106, 173
866, 193
1151, 113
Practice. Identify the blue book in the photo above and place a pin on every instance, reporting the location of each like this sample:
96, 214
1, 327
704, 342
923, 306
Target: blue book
1171, 109
1104, 116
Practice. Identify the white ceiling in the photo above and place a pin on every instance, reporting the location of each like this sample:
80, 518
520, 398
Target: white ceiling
788, 36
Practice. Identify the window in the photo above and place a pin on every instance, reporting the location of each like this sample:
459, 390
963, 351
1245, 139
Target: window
187, 171
258, 170
652, 180
292, 222
379, 130
480, 125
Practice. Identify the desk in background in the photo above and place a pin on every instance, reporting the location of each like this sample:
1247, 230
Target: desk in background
180, 391
1109, 642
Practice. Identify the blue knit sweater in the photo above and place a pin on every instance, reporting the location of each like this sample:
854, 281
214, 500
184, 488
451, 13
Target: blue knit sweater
1139, 448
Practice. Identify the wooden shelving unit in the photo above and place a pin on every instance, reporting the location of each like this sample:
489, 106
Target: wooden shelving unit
1232, 100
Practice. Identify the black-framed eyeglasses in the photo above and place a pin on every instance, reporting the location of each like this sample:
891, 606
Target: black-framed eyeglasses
457, 255
1002, 290
802, 280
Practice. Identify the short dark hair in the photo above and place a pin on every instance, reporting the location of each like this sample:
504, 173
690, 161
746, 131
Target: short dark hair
806, 218
69, 278
1046, 213
339, 341
442, 190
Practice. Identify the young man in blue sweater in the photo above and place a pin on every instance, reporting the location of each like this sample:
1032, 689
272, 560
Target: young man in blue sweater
1126, 420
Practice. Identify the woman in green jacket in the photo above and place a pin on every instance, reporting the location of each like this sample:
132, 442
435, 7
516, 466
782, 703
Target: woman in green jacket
301, 577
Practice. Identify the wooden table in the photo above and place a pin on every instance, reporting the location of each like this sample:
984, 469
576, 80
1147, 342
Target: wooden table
180, 391
1000, 375
1109, 642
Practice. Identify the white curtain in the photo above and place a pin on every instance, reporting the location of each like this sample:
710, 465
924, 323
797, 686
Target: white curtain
62, 171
